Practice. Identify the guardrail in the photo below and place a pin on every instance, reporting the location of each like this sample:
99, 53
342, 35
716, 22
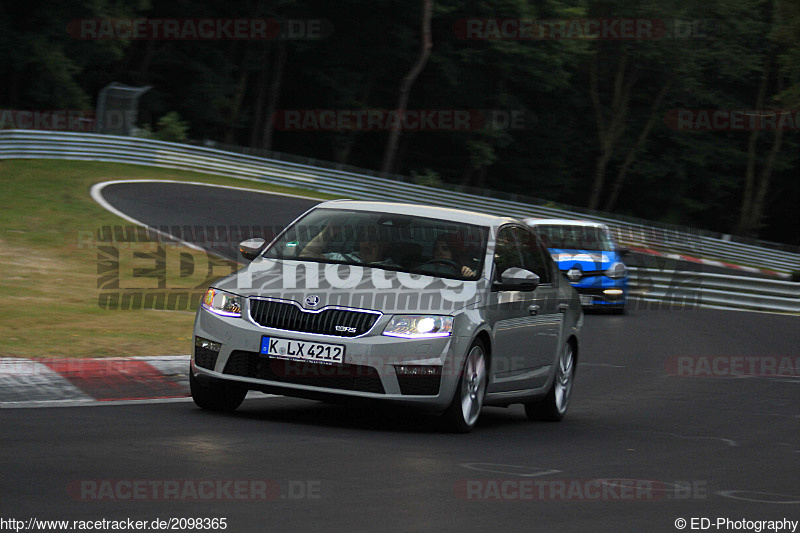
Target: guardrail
84, 146
706, 289
702, 289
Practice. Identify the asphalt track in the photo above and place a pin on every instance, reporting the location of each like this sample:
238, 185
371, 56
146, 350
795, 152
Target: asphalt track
648, 440
217, 218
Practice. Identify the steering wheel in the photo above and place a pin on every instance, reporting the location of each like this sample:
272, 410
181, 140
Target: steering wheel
445, 262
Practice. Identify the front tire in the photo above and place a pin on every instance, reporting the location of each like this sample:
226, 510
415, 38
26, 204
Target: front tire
462, 414
554, 406
222, 397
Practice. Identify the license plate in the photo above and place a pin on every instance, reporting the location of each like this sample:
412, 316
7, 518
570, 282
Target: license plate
586, 299
302, 350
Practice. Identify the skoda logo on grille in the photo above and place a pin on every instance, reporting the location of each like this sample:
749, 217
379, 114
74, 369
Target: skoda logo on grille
574, 274
312, 300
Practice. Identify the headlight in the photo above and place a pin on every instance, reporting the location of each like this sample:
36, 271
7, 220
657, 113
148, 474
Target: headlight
223, 303
419, 326
616, 271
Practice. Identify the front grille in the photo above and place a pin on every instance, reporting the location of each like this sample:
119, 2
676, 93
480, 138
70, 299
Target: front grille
341, 377
290, 317
205, 358
416, 385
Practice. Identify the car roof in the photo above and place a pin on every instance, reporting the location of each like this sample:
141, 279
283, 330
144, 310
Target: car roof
563, 222
428, 211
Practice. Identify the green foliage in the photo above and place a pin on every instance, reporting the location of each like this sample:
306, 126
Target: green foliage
427, 178
225, 89
171, 128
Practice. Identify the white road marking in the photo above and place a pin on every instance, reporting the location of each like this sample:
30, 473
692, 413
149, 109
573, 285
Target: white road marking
514, 470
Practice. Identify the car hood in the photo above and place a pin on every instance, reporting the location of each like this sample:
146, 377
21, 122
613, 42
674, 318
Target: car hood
586, 260
316, 285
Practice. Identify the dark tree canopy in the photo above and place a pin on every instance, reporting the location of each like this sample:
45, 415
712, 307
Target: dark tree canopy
587, 122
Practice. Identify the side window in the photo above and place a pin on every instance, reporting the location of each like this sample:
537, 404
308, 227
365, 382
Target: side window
534, 256
506, 252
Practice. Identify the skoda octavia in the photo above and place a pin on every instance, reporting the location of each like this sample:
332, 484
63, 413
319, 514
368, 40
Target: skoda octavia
440, 309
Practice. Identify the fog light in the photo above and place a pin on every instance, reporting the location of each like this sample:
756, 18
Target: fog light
417, 370
613, 292
207, 344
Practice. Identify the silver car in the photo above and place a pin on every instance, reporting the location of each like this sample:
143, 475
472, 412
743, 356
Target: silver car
440, 309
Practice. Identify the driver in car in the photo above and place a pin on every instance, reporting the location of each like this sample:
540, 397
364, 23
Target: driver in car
444, 253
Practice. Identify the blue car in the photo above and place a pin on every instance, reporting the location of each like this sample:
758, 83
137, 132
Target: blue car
587, 254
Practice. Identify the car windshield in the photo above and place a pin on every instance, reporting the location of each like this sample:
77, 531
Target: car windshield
571, 237
397, 242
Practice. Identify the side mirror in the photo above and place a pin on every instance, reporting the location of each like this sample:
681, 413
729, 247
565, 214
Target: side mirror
251, 248
517, 279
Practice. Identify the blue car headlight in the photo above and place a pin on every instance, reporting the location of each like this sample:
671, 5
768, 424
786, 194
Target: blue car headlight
616, 271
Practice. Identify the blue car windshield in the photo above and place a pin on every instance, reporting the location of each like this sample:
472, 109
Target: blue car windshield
399, 242
569, 237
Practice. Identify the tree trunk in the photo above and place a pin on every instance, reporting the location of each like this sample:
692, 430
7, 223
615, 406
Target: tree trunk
757, 209
261, 95
236, 107
631, 157
342, 151
274, 96
405, 87
608, 134
745, 213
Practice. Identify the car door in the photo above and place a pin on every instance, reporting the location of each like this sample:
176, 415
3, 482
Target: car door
547, 312
509, 314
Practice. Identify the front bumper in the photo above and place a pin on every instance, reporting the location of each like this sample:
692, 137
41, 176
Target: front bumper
368, 369
602, 292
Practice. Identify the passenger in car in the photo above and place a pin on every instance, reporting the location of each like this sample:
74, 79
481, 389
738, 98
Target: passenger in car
371, 249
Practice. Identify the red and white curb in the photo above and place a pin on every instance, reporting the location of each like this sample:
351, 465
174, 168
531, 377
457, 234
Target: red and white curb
83, 381
709, 262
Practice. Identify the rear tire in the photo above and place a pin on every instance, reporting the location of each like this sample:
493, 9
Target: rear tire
462, 414
221, 397
554, 406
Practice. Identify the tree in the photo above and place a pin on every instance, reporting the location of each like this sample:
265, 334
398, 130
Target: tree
405, 86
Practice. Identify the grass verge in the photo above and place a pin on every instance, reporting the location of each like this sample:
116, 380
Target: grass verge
49, 280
